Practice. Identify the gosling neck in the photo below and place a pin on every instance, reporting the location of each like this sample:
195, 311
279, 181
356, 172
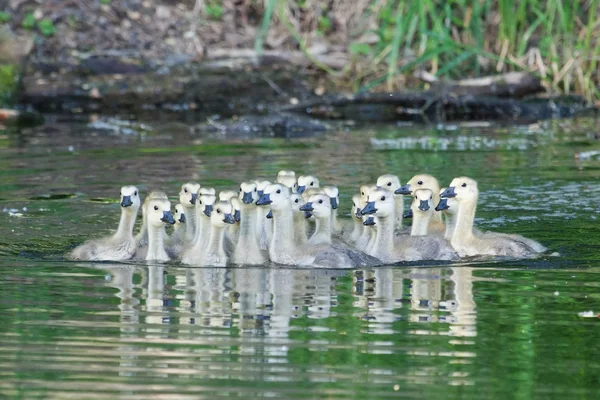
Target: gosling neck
450, 220
203, 232
322, 230
125, 230
215, 243
156, 243
143, 233
357, 228
420, 223
399, 201
300, 227
335, 224
437, 217
463, 231
384, 239
248, 221
191, 223
283, 230
198, 224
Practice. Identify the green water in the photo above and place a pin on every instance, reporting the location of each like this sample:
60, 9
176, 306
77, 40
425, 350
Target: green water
501, 329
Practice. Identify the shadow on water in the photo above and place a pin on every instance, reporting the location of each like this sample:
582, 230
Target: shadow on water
478, 328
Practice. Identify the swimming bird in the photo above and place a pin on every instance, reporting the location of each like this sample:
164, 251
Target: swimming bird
334, 198
356, 218
175, 242
466, 242
215, 255
264, 225
187, 198
422, 209
141, 238
300, 219
425, 181
367, 237
193, 254
390, 249
247, 250
121, 245
282, 249
392, 183
158, 214
307, 182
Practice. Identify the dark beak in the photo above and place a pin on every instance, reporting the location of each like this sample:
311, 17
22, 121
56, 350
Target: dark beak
307, 214
334, 203
237, 216
208, 210
307, 207
443, 205
126, 201
369, 221
408, 214
369, 208
247, 198
424, 206
270, 215
228, 219
301, 189
194, 197
182, 218
168, 217
448, 193
265, 199
403, 190
260, 192
357, 213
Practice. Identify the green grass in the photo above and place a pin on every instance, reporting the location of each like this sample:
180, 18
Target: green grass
8, 84
555, 39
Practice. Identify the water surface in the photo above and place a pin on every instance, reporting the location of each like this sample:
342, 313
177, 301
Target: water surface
503, 328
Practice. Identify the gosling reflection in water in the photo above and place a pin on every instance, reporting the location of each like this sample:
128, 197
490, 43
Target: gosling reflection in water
435, 295
253, 311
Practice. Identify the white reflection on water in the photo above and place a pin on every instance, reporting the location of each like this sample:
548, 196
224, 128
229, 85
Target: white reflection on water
248, 314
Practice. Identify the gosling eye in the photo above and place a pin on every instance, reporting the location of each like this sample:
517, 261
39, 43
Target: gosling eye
278, 190
464, 185
185, 190
176, 211
362, 193
121, 194
200, 202
420, 182
156, 208
320, 201
135, 193
240, 188
255, 189
311, 183
295, 201
389, 183
218, 211
382, 198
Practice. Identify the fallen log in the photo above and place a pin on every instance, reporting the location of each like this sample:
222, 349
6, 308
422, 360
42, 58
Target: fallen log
512, 84
431, 107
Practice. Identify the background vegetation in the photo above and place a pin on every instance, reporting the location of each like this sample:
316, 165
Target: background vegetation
360, 44
390, 39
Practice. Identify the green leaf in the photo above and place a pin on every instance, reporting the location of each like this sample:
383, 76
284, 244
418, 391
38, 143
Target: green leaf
214, 11
359, 48
46, 27
28, 21
4, 16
